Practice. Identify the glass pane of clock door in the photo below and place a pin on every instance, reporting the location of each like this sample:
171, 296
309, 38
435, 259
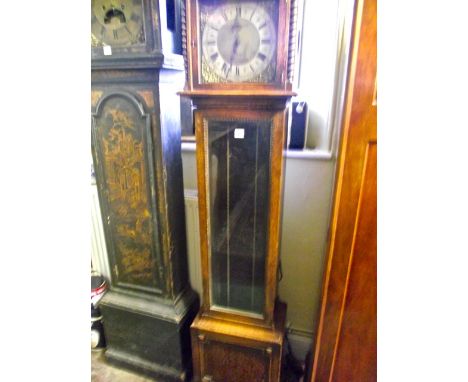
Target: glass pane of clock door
239, 177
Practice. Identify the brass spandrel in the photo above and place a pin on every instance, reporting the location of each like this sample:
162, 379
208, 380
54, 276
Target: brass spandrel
95, 96
95, 42
147, 97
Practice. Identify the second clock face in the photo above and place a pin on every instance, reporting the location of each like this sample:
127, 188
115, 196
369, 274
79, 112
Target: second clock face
238, 42
117, 23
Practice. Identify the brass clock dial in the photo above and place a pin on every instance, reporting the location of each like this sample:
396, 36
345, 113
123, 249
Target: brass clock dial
238, 42
117, 23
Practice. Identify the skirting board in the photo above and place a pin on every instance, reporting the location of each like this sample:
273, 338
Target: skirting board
301, 343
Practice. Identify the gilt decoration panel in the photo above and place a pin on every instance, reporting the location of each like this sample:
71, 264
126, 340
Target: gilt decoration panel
123, 153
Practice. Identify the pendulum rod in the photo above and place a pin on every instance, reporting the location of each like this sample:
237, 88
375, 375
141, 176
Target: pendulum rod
254, 224
228, 234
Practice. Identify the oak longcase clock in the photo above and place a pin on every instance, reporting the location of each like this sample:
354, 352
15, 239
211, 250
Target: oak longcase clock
136, 152
237, 62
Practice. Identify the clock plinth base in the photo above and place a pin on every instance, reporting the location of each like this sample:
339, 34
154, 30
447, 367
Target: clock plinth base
144, 367
232, 352
149, 336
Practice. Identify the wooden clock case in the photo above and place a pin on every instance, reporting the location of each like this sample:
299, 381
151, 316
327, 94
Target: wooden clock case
239, 344
229, 345
136, 152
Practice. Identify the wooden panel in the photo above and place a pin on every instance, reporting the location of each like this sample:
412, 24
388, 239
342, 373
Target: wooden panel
346, 337
221, 363
228, 351
356, 355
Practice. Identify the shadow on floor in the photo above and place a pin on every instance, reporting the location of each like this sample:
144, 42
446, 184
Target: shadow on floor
101, 371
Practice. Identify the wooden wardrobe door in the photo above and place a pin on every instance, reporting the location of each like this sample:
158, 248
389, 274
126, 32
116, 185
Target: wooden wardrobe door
346, 344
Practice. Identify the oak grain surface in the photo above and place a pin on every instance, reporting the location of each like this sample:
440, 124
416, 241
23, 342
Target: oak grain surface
345, 348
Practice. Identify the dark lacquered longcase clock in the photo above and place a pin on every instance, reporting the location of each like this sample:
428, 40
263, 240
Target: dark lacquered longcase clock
136, 152
238, 60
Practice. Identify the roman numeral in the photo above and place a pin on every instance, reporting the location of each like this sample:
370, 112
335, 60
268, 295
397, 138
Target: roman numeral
266, 41
252, 14
238, 11
251, 68
116, 37
261, 56
214, 56
237, 71
226, 69
103, 31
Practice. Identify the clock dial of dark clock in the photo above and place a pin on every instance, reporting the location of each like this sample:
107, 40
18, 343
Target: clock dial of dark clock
117, 23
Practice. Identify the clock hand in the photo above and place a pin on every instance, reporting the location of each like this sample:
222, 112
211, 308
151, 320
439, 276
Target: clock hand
236, 45
236, 25
233, 54
212, 27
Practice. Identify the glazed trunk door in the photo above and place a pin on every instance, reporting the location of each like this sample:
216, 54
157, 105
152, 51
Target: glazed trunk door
239, 173
123, 157
239, 166
346, 346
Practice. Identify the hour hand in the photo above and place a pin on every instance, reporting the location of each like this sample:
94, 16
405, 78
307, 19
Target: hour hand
235, 46
234, 51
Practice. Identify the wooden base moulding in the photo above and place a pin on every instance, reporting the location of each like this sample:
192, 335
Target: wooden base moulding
225, 351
